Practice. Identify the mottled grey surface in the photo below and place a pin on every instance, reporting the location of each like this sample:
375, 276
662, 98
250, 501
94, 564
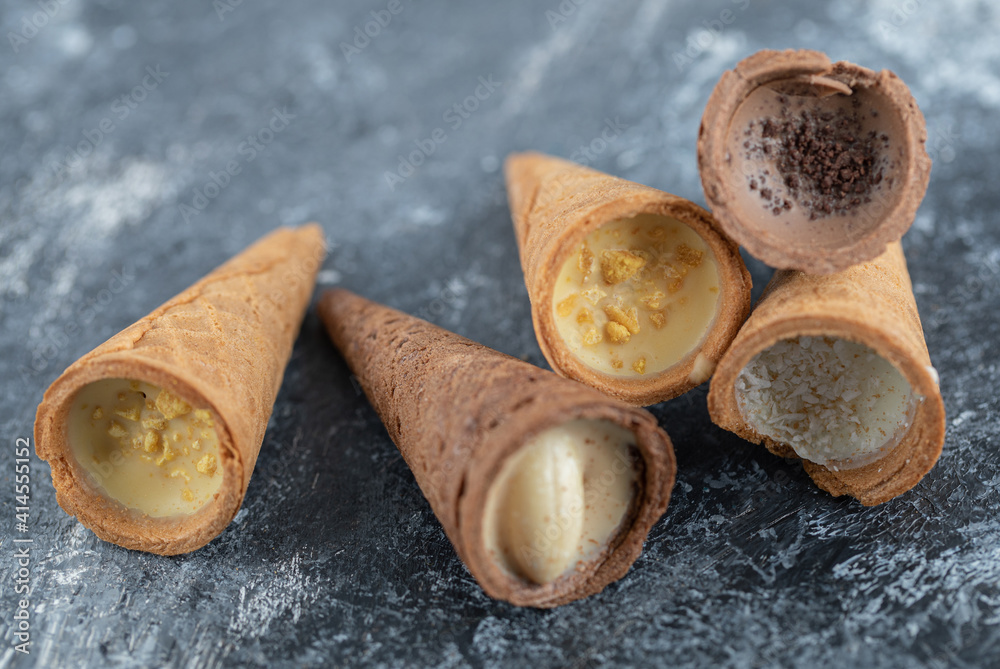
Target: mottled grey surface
336, 557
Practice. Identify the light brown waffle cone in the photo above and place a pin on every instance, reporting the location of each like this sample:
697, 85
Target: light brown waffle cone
222, 344
872, 304
555, 204
457, 410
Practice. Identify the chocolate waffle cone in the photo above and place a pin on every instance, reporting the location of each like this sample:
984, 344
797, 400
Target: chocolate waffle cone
458, 410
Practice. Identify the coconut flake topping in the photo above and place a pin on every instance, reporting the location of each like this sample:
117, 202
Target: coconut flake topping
834, 402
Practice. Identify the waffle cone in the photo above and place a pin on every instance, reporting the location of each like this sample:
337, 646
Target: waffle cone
872, 304
221, 344
555, 204
457, 410
796, 240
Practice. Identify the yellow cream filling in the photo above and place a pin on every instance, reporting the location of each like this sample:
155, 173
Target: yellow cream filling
637, 296
145, 447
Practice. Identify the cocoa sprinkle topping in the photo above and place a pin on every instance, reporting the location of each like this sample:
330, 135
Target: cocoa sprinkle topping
824, 160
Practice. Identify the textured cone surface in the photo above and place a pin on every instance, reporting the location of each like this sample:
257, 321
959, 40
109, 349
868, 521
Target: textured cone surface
788, 251
554, 205
456, 409
222, 343
873, 304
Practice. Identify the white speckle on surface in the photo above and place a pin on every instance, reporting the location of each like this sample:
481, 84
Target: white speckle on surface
629, 159
328, 277
968, 414
924, 222
426, 215
323, 69
72, 39
108, 205
267, 597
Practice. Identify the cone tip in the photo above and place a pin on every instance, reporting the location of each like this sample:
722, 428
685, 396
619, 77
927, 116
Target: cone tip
331, 295
520, 160
332, 302
311, 229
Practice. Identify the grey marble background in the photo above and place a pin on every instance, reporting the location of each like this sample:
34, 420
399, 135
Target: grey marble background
336, 558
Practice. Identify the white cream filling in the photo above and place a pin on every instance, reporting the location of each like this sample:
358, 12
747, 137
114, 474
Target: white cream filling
834, 402
560, 499
144, 447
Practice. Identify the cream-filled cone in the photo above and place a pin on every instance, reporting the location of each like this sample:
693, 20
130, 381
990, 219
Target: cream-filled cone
152, 437
545, 487
633, 291
833, 369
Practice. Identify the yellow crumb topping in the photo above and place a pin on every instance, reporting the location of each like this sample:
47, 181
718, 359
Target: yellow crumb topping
592, 337
627, 319
617, 333
689, 256
644, 288
207, 465
566, 306
171, 406
146, 446
585, 261
620, 265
